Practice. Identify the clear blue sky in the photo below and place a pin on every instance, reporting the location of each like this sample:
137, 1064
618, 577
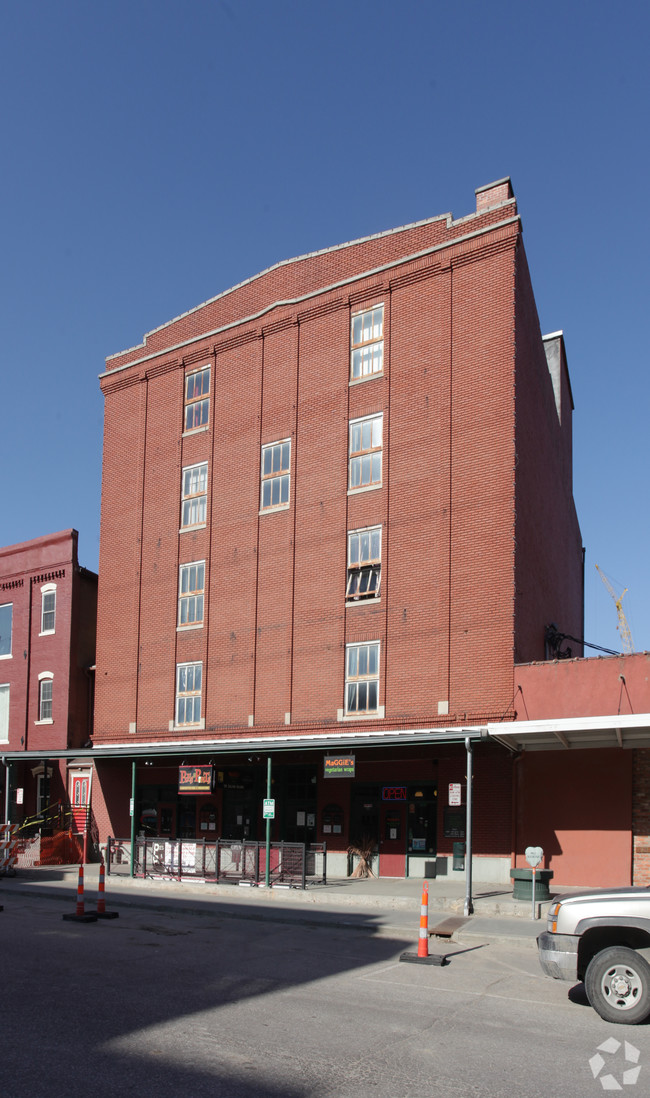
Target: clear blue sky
156, 153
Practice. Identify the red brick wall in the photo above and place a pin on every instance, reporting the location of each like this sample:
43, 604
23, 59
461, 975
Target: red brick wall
549, 544
274, 642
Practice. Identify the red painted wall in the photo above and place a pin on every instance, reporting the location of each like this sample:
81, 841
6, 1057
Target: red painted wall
565, 804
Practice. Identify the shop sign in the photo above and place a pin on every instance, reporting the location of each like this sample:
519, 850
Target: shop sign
393, 793
195, 779
339, 766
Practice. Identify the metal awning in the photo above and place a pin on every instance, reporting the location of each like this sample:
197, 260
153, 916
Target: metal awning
569, 733
252, 744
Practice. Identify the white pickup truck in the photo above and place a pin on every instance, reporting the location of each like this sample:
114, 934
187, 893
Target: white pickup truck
603, 938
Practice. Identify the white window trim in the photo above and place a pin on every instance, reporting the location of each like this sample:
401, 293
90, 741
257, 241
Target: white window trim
375, 713
44, 676
9, 655
191, 624
283, 473
187, 403
48, 589
194, 724
366, 487
185, 469
374, 563
360, 312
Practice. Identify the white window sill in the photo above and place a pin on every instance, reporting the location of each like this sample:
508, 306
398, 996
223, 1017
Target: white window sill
368, 377
7, 656
49, 720
187, 727
369, 488
362, 602
190, 529
196, 430
188, 628
378, 715
47, 633
274, 510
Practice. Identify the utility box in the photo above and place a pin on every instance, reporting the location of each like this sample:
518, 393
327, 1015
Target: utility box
458, 856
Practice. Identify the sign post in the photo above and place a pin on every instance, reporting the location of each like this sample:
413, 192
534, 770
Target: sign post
533, 855
269, 814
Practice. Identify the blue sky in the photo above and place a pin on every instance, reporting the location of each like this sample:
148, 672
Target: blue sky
156, 153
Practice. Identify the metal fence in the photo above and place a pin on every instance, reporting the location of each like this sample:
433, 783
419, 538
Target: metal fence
226, 860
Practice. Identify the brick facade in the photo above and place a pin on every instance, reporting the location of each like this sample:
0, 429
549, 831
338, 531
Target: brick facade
480, 546
61, 649
461, 589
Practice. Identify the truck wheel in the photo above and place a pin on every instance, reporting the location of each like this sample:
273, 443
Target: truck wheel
617, 983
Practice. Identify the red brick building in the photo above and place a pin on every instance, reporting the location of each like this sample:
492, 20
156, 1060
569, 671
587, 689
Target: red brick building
336, 511
48, 617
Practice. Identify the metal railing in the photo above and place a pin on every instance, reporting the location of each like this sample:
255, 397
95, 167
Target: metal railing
225, 860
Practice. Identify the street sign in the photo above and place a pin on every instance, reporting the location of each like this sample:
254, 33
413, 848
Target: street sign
454, 793
269, 808
533, 855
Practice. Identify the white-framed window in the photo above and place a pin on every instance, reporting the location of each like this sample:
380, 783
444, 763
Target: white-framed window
364, 563
191, 590
194, 495
189, 679
4, 712
362, 678
365, 452
275, 475
48, 608
367, 343
197, 399
6, 627
45, 683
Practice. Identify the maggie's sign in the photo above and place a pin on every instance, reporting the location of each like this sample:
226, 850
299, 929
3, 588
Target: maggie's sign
339, 766
195, 779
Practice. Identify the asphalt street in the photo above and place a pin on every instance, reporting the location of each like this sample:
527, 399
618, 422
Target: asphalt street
157, 1003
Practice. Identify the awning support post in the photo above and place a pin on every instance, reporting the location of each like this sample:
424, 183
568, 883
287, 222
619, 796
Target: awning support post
469, 906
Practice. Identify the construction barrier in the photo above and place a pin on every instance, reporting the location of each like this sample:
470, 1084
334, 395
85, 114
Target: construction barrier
423, 957
8, 849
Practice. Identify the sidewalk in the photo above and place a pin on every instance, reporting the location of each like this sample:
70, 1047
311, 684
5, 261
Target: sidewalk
380, 905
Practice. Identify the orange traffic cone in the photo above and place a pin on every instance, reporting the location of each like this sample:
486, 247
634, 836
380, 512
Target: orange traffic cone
80, 916
423, 940
423, 957
102, 913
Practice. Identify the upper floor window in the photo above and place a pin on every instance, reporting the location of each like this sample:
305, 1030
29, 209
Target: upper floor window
45, 696
197, 399
191, 586
367, 343
48, 608
275, 475
194, 496
6, 624
189, 679
364, 563
362, 678
365, 452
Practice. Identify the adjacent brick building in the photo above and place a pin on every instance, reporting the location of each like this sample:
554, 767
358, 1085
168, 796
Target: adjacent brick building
336, 510
48, 616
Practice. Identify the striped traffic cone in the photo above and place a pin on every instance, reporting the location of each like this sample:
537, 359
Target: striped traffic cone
102, 913
80, 915
423, 957
423, 940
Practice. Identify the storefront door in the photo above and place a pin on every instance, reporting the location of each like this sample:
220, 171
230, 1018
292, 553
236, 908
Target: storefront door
392, 844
